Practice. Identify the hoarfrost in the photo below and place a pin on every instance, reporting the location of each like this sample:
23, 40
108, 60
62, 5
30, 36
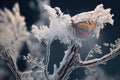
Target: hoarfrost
61, 24
100, 15
13, 30
60, 27
106, 44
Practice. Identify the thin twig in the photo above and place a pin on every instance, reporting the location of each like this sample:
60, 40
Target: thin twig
103, 59
47, 59
88, 55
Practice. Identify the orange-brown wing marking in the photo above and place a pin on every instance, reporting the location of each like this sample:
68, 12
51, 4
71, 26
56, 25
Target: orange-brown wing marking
82, 29
91, 25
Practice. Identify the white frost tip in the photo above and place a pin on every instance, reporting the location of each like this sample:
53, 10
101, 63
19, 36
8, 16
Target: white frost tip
60, 24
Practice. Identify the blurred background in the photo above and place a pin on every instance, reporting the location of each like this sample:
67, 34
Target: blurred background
33, 14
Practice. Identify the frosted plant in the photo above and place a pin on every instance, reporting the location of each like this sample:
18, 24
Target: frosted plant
61, 24
68, 30
100, 75
36, 71
13, 23
12, 30
96, 49
62, 27
6, 59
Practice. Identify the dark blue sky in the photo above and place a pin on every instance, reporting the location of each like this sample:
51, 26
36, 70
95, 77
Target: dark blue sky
109, 34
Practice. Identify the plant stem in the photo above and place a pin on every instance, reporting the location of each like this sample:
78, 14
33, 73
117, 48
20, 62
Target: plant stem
47, 58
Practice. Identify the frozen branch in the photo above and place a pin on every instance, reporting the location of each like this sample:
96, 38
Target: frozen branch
37, 69
47, 58
115, 51
8, 61
67, 65
34, 62
60, 27
72, 60
96, 49
101, 60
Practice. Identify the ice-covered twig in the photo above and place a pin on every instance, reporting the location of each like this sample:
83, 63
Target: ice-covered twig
37, 68
67, 65
61, 28
115, 51
47, 58
96, 49
7, 59
101, 60
34, 62
72, 60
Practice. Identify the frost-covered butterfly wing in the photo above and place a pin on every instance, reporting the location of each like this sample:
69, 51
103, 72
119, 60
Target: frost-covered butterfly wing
82, 28
99, 16
6, 60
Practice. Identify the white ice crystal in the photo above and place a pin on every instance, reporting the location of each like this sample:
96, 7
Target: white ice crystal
60, 26
100, 15
106, 44
36, 71
34, 62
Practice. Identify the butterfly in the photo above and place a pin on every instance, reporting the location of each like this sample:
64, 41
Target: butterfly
81, 29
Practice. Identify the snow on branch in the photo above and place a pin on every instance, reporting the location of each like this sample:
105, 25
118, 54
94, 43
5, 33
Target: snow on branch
72, 60
36, 71
7, 60
114, 51
61, 24
34, 62
67, 29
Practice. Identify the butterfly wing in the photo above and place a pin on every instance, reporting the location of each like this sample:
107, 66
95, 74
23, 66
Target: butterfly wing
91, 25
81, 29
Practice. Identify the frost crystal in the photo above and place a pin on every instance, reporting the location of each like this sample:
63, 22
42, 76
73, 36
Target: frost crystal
100, 15
13, 30
61, 24
106, 44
